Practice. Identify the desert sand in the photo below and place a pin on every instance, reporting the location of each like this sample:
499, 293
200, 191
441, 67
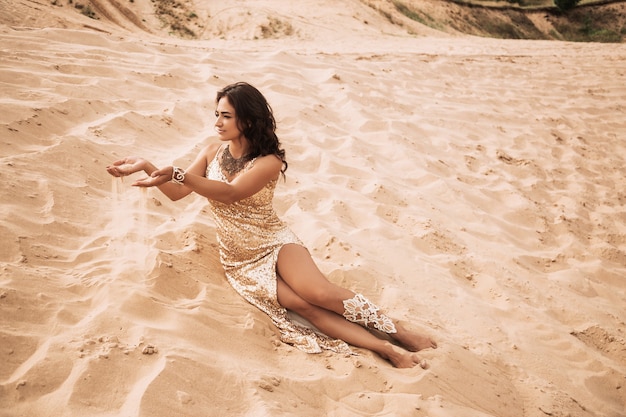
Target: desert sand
474, 187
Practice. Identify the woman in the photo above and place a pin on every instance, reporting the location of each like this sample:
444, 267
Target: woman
263, 260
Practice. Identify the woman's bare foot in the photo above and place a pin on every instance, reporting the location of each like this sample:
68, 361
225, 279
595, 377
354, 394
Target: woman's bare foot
401, 358
412, 341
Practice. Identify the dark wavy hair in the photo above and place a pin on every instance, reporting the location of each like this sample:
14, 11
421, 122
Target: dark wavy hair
255, 119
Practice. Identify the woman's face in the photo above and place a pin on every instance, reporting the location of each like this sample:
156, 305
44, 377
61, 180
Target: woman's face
226, 124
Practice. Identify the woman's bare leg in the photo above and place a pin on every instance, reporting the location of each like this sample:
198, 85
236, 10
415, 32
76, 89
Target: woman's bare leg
299, 271
335, 326
301, 274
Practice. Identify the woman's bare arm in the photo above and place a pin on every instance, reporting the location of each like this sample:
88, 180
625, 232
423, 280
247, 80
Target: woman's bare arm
264, 170
130, 165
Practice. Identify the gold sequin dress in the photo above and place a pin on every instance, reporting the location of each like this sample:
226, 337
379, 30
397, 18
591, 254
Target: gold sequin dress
250, 235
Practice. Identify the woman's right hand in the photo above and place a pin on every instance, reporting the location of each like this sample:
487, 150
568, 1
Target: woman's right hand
126, 166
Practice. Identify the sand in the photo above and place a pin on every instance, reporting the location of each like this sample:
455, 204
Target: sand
474, 187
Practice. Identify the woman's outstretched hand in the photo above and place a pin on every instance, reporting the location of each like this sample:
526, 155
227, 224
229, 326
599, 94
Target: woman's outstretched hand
158, 177
132, 164
126, 166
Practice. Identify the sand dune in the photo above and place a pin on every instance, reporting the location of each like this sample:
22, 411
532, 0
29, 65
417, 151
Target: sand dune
474, 187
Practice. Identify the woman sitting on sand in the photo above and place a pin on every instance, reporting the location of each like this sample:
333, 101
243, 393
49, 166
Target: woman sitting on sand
262, 258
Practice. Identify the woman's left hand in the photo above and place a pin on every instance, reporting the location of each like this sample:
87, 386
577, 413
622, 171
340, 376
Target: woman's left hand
158, 177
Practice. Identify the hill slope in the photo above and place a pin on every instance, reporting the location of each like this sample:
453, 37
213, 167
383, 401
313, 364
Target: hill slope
274, 19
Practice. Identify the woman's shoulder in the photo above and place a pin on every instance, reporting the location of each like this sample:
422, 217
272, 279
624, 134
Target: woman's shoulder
270, 161
212, 147
210, 150
267, 165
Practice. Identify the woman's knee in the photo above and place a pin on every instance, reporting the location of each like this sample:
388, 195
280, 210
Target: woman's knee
289, 299
320, 296
308, 311
293, 302
299, 305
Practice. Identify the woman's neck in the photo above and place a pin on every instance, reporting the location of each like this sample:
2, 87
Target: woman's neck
238, 148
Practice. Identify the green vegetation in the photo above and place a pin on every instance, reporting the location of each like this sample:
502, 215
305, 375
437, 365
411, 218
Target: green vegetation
276, 27
86, 10
528, 3
565, 5
408, 12
173, 13
589, 27
515, 26
418, 16
517, 19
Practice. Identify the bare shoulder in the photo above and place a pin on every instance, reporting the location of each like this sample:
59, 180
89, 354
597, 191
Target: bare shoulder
203, 159
210, 151
269, 163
